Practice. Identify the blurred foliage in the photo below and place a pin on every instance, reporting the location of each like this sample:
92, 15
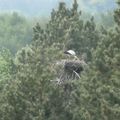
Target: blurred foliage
5, 62
7, 67
15, 31
29, 94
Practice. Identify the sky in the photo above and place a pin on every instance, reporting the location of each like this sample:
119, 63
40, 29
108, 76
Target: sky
44, 7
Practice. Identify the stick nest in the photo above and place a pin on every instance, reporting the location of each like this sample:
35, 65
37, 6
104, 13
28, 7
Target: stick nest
68, 70
73, 65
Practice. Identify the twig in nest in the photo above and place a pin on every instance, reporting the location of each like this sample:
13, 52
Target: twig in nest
76, 74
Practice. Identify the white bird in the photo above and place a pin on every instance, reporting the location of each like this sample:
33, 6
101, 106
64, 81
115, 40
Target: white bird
71, 53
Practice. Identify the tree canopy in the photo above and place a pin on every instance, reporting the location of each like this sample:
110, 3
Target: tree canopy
29, 93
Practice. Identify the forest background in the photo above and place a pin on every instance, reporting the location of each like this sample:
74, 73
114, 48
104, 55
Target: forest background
28, 48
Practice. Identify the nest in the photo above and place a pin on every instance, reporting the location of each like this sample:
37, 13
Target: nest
68, 70
73, 66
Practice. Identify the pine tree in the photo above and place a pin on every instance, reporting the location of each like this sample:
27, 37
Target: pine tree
117, 14
31, 95
67, 29
102, 80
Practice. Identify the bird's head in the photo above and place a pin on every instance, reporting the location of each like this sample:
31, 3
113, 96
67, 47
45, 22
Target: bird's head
71, 54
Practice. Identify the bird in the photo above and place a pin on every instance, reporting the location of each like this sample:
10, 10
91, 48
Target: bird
71, 53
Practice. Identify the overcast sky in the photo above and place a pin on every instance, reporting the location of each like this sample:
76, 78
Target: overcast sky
43, 7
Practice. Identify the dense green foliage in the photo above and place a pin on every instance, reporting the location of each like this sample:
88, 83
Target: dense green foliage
28, 93
15, 31
6, 66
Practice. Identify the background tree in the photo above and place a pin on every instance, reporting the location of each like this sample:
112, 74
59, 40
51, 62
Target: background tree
6, 66
67, 28
30, 94
15, 31
102, 80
